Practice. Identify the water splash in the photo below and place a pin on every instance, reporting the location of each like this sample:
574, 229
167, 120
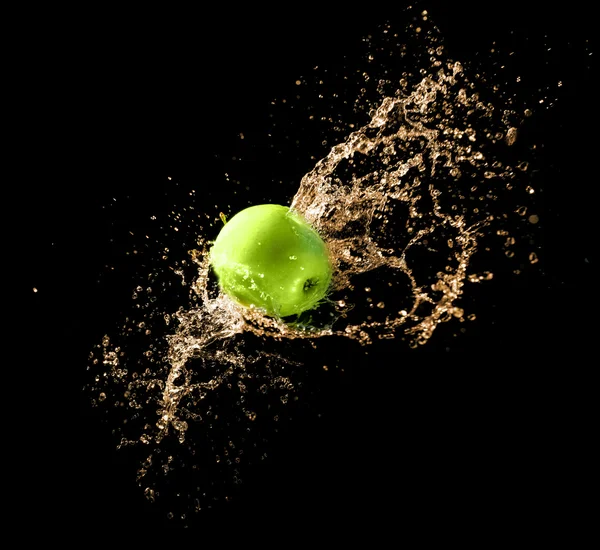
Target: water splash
413, 195
395, 174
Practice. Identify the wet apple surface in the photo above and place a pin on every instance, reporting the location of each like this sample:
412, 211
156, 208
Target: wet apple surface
269, 257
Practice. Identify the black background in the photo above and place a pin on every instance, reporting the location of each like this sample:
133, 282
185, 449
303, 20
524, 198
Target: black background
496, 426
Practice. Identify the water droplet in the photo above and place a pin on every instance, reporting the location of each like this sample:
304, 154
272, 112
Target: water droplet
511, 136
533, 258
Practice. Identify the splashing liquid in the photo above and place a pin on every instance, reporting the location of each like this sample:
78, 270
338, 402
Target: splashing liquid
413, 196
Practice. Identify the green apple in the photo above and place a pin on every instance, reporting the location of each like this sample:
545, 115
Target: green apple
268, 256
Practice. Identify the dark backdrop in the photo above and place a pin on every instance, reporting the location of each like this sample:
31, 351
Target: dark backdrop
493, 422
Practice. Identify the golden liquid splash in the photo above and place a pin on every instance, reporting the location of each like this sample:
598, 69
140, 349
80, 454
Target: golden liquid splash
394, 175
408, 196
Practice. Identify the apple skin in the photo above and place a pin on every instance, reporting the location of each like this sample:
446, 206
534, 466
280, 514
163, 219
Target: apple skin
268, 256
